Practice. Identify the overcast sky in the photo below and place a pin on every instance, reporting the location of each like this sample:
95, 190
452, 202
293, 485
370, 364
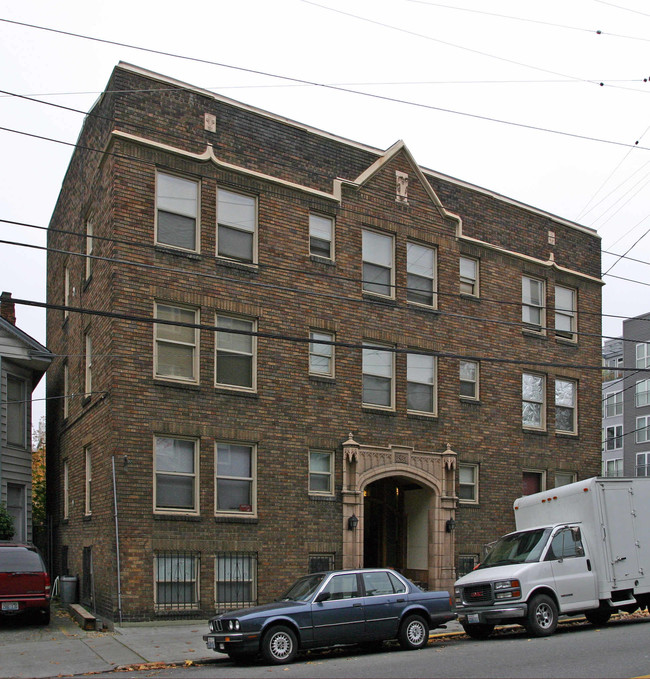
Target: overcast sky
504, 94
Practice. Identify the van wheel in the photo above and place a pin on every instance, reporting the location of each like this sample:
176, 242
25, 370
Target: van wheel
414, 633
598, 617
279, 645
541, 620
482, 631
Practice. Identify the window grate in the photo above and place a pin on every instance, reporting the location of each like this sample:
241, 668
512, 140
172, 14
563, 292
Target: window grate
235, 580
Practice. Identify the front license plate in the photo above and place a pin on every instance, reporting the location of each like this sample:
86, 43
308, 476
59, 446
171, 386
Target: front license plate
211, 644
472, 618
9, 605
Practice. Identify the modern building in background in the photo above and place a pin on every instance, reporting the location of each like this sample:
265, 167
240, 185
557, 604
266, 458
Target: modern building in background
279, 351
23, 362
626, 400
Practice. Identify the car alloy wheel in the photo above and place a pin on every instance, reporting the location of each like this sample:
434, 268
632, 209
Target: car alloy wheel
279, 645
414, 633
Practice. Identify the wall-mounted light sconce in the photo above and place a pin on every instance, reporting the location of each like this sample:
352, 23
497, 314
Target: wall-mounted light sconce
450, 525
353, 522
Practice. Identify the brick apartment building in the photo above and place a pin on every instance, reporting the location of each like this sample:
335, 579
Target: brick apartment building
344, 347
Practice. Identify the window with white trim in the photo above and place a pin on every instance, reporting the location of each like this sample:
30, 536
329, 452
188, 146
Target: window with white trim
533, 303
88, 362
642, 464
378, 268
235, 583
321, 472
235, 364
66, 390
613, 467
533, 388
321, 356
16, 412
613, 404
469, 276
90, 244
643, 355
564, 478
176, 355
421, 383
613, 437
378, 375
88, 480
468, 483
66, 489
236, 226
420, 274
533, 481
175, 474
565, 313
235, 485
642, 429
321, 236
468, 374
176, 576
66, 291
177, 210
642, 393
566, 393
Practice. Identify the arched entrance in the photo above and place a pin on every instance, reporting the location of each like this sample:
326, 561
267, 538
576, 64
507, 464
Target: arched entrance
396, 503
396, 526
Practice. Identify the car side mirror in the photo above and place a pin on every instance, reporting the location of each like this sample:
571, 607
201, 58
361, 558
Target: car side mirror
323, 596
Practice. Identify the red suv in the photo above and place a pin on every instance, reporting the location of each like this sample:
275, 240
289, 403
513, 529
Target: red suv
24, 582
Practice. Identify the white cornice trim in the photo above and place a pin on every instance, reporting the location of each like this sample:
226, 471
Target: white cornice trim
337, 189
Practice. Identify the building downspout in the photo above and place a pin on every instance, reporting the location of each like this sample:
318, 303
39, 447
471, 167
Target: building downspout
117, 546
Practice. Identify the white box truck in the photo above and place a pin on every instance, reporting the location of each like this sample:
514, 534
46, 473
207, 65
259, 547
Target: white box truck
579, 548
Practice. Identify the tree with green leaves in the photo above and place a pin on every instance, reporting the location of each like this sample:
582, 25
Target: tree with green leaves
6, 523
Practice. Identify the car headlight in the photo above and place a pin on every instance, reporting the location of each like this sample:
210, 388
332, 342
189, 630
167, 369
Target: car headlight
233, 625
212, 626
506, 584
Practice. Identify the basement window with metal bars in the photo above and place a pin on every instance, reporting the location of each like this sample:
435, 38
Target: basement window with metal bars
176, 581
235, 580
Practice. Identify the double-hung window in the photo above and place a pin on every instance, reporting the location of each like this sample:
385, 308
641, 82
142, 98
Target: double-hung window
613, 467
66, 390
88, 361
532, 303
614, 437
642, 464
321, 236
643, 355
469, 379
176, 346
66, 291
378, 375
565, 313
321, 356
469, 276
321, 472
378, 273
16, 412
420, 274
235, 580
533, 389
468, 483
90, 245
88, 480
235, 353
175, 472
177, 581
420, 383
565, 405
642, 393
177, 209
613, 404
66, 489
236, 226
235, 478
642, 429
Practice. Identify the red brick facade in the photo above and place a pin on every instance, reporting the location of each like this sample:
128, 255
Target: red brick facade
401, 479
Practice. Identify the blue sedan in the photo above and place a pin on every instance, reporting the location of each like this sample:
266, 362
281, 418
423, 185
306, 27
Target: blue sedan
364, 606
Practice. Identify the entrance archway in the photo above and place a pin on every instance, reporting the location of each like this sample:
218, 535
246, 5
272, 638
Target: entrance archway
396, 503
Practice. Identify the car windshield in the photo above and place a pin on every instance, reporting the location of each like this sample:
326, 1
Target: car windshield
303, 589
524, 547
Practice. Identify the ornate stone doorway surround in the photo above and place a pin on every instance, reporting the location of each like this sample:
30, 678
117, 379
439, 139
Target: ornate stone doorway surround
363, 465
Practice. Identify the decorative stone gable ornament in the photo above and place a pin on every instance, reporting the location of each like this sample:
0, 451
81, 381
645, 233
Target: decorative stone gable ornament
351, 450
402, 187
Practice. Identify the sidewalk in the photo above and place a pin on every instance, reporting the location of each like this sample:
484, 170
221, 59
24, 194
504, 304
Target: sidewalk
64, 649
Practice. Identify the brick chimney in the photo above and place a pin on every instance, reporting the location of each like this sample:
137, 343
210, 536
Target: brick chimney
7, 308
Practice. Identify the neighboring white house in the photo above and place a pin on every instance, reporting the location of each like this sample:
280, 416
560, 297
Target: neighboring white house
23, 362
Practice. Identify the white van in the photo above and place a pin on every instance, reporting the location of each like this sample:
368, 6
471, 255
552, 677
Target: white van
580, 548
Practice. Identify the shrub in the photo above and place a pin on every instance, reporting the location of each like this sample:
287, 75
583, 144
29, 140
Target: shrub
6, 523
